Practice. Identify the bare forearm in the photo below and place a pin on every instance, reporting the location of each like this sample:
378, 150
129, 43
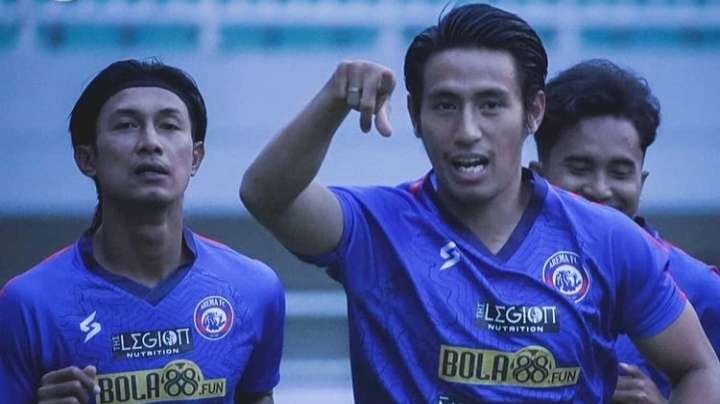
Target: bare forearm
278, 189
700, 386
288, 164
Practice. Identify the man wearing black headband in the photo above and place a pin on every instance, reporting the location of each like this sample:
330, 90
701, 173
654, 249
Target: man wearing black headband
140, 308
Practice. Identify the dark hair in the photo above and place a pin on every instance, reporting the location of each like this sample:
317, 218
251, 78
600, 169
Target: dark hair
594, 88
134, 73
479, 26
125, 74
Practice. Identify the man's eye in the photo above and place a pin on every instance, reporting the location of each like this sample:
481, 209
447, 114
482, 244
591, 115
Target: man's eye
169, 126
490, 105
578, 169
124, 125
444, 106
621, 174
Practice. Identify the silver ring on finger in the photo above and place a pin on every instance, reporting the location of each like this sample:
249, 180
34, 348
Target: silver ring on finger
353, 96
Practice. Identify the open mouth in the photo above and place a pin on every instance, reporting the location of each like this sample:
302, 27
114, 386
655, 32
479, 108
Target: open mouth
473, 164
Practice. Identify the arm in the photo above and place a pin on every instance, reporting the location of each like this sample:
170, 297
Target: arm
683, 352
278, 187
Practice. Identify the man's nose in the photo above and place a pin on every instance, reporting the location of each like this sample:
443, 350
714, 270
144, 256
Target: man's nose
598, 189
469, 130
149, 140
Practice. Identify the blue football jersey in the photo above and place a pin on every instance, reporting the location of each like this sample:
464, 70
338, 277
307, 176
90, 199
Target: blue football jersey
701, 285
436, 318
213, 327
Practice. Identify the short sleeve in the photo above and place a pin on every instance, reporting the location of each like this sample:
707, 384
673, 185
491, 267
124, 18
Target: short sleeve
701, 284
355, 232
648, 299
19, 375
262, 372
709, 308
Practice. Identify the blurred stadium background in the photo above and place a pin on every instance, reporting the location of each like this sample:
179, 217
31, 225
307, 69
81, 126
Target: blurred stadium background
258, 62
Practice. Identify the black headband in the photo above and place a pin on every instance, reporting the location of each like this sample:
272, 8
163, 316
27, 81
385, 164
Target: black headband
147, 82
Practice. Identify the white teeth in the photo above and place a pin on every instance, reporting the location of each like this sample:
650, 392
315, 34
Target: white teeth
470, 165
471, 169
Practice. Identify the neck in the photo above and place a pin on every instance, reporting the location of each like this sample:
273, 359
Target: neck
143, 244
493, 220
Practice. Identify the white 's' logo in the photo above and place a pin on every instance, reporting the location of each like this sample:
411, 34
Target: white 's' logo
449, 252
90, 327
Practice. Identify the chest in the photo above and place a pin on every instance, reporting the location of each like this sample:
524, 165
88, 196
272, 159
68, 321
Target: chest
191, 344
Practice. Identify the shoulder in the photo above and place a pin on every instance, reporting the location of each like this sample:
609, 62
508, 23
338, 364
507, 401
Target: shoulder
592, 219
607, 234
696, 278
31, 286
380, 200
370, 194
226, 263
686, 262
577, 206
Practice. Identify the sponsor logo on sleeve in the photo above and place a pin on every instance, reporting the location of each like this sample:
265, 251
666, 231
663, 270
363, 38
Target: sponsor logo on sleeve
213, 317
517, 319
178, 381
564, 272
532, 366
146, 344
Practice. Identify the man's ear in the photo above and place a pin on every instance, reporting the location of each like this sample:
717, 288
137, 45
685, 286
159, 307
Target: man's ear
198, 155
536, 112
643, 177
537, 167
86, 159
414, 116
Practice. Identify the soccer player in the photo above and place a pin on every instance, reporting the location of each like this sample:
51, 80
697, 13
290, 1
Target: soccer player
479, 282
140, 308
599, 121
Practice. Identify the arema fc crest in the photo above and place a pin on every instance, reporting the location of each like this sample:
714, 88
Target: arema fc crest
564, 272
213, 317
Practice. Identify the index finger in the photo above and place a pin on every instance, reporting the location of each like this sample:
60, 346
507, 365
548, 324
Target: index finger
386, 85
382, 119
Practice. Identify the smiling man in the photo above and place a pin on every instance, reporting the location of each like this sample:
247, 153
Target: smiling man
140, 308
599, 122
479, 282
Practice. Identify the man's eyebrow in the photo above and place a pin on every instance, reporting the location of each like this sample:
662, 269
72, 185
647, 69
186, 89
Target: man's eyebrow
489, 92
622, 161
133, 111
170, 111
492, 92
442, 93
125, 111
574, 158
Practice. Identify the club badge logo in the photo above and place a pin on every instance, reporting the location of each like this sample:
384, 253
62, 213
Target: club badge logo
564, 272
213, 317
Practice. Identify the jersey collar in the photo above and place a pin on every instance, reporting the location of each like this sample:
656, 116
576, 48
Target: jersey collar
152, 295
518, 235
